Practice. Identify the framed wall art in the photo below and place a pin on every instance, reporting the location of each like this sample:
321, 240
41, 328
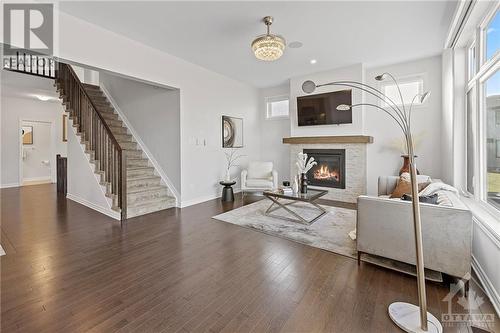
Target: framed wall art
232, 132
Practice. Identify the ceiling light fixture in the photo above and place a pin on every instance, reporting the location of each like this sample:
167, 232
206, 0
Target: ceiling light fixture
268, 47
313, 61
43, 98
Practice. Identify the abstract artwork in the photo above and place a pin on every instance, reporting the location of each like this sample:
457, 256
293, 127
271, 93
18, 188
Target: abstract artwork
232, 132
27, 135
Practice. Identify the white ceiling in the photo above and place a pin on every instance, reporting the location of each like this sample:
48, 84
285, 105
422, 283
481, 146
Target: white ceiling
217, 35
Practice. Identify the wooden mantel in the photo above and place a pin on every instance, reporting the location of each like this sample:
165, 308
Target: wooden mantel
328, 139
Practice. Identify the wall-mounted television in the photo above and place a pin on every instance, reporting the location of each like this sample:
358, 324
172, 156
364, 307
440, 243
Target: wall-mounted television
321, 109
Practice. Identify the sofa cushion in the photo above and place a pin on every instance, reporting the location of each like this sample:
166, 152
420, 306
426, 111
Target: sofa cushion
259, 183
430, 199
260, 170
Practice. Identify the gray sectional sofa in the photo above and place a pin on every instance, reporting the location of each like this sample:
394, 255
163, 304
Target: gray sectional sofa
385, 228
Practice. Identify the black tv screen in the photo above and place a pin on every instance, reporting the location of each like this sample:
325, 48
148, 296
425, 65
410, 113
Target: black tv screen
321, 109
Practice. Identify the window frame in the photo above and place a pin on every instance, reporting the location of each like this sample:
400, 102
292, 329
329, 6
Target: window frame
471, 89
482, 137
484, 70
273, 99
482, 36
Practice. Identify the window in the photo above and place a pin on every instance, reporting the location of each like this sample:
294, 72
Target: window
483, 116
471, 61
492, 107
277, 107
493, 36
409, 88
470, 133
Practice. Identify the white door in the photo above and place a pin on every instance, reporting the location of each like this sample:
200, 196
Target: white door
36, 150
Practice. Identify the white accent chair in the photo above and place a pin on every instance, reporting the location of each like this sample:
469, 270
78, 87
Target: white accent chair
259, 177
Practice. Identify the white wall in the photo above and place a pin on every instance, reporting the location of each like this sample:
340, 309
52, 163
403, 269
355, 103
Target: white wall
204, 97
353, 73
83, 185
383, 158
13, 109
272, 133
154, 114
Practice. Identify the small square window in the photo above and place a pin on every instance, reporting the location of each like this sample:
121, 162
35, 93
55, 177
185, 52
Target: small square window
410, 87
277, 107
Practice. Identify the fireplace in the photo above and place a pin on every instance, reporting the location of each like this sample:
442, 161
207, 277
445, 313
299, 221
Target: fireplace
330, 170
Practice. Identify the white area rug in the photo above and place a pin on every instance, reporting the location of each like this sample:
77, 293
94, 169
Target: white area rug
330, 232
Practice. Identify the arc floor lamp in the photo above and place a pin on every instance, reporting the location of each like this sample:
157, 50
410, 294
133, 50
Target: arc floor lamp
407, 316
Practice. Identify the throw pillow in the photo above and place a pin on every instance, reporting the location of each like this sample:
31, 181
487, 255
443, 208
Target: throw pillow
430, 199
404, 186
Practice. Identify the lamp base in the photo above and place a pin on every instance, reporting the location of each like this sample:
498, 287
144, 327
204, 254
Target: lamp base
407, 317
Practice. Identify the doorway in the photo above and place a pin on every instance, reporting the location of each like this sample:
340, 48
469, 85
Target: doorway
36, 152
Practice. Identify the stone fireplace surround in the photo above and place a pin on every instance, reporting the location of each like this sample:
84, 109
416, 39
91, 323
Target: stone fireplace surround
355, 162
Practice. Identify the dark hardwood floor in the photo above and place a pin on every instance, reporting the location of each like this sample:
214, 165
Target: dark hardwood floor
71, 269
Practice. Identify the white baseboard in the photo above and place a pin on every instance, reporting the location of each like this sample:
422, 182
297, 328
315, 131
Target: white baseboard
191, 202
143, 146
9, 185
104, 210
37, 179
487, 285
195, 201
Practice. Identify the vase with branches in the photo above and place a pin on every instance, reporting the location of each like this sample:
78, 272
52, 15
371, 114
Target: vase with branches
304, 164
232, 157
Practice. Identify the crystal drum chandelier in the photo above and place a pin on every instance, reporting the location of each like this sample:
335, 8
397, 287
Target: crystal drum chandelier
268, 47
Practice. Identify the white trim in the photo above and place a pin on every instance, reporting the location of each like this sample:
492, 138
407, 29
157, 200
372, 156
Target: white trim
106, 211
487, 285
195, 201
487, 229
187, 203
144, 148
9, 185
38, 179
462, 12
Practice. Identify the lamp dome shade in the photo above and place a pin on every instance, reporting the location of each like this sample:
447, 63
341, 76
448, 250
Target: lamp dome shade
308, 87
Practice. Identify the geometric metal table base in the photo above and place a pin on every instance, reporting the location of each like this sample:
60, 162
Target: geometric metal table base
407, 317
296, 217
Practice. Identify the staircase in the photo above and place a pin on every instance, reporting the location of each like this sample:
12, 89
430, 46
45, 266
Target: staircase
128, 177
145, 192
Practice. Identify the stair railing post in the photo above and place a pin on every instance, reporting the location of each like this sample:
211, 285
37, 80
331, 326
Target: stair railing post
123, 184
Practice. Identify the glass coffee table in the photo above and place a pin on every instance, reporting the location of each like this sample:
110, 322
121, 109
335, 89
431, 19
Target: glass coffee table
277, 197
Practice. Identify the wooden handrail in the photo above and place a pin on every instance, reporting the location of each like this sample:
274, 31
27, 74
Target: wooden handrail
109, 156
29, 62
80, 84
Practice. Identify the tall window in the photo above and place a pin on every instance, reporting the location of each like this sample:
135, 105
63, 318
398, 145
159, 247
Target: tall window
277, 107
492, 106
483, 115
493, 36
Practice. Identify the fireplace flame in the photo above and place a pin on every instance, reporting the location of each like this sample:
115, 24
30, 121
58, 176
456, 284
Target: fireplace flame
324, 173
